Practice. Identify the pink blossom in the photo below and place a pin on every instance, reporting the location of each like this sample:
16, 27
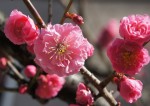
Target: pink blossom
108, 33
30, 71
62, 49
135, 28
127, 57
23, 89
74, 105
49, 86
83, 95
20, 28
130, 89
3, 62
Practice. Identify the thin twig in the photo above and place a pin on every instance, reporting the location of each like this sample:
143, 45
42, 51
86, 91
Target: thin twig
35, 14
49, 11
4, 89
104, 92
13, 68
66, 10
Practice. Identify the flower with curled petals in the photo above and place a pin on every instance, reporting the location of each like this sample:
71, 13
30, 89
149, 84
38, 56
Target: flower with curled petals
135, 28
127, 57
130, 89
20, 28
84, 96
49, 86
62, 49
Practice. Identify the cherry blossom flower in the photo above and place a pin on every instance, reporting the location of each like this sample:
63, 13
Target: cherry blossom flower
130, 89
20, 28
83, 95
127, 57
135, 28
49, 86
30, 71
108, 33
62, 49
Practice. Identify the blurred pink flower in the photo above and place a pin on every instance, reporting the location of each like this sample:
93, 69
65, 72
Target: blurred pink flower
83, 95
20, 28
108, 33
62, 49
30, 71
135, 28
49, 86
74, 105
130, 89
3, 62
23, 89
127, 57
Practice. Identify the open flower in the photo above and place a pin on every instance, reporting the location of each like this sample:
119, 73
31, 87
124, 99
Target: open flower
130, 89
135, 28
62, 49
127, 57
20, 28
49, 86
84, 95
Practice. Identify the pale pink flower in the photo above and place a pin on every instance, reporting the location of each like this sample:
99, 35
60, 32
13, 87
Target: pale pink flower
127, 57
3, 62
20, 28
49, 86
23, 89
30, 71
84, 95
130, 89
135, 28
108, 33
62, 49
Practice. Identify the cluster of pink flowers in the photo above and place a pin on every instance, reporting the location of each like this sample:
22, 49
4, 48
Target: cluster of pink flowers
128, 56
49, 86
83, 96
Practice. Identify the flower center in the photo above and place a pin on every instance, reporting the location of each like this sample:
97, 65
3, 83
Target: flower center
128, 58
19, 24
61, 48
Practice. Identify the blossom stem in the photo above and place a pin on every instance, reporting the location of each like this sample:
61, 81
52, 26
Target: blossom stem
2, 89
35, 13
66, 10
13, 68
105, 82
103, 91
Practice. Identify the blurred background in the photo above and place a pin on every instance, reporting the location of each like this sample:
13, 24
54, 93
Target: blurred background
96, 14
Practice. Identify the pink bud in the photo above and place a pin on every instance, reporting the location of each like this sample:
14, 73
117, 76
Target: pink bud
78, 20
30, 71
23, 89
130, 89
3, 62
84, 95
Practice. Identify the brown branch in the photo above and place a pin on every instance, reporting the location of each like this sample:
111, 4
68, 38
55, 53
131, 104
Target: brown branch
13, 68
4, 89
66, 10
49, 11
35, 13
104, 92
